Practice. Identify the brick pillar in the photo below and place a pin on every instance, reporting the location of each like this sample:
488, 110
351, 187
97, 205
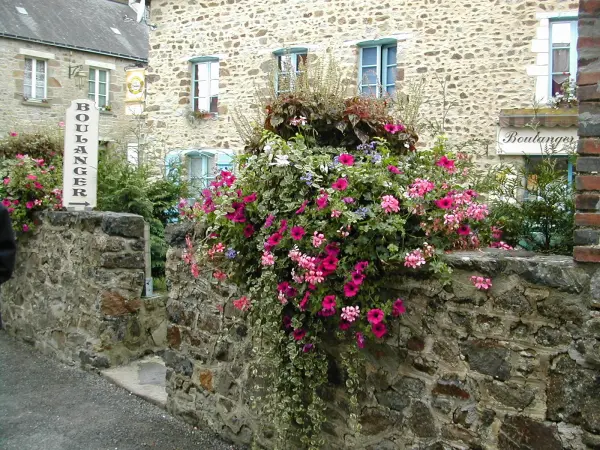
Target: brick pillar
587, 200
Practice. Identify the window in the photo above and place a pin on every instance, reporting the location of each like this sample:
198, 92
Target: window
562, 164
563, 53
378, 69
34, 82
291, 64
205, 86
98, 87
200, 173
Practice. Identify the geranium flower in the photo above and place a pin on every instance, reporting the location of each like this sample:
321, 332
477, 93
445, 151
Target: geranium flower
275, 239
248, 231
464, 230
219, 275
318, 239
346, 159
360, 340
335, 213
350, 313
444, 203
394, 170
297, 233
242, 303
350, 289
390, 204
375, 316
267, 258
250, 198
481, 283
420, 187
302, 207
379, 329
398, 308
340, 185
195, 269
299, 334
358, 278
414, 259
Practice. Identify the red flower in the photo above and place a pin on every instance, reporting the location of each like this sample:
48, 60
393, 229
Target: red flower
274, 239
250, 198
444, 203
464, 230
379, 329
346, 159
248, 231
283, 286
340, 185
287, 322
297, 233
299, 334
350, 289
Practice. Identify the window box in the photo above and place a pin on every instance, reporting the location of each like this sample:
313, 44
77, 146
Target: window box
33, 102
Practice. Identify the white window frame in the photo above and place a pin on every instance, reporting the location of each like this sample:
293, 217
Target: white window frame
203, 90
572, 51
290, 58
381, 72
32, 90
97, 86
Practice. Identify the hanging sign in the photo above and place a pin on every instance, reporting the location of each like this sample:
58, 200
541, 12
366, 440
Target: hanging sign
136, 85
80, 167
541, 141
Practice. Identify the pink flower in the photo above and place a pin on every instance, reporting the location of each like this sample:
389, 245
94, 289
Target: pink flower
299, 334
274, 239
29, 205
496, 232
283, 226
314, 277
346, 159
350, 313
360, 340
307, 348
464, 230
250, 198
269, 221
358, 278
394, 170
6, 181
335, 213
501, 245
390, 204
330, 263
481, 283
328, 302
13, 134
25, 227
446, 163
243, 304
61, 124
322, 202
302, 207
394, 128
345, 325
340, 185
332, 249
302, 305
350, 289
398, 308
414, 259
361, 266
219, 275
287, 322
19, 156
348, 200
318, 239
375, 316
297, 233
248, 231
267, 258
6, 202
444, 203
379, 329
31, 177
478, 212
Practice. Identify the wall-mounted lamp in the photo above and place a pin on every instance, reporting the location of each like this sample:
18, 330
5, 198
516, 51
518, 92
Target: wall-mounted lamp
80, 76
74, 70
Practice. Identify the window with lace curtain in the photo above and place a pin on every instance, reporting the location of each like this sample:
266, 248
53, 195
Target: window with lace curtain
563, 53
34, 81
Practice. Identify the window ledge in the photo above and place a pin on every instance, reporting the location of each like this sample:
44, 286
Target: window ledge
36, 103
106, 113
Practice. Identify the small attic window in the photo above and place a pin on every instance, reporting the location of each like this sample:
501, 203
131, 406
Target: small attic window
22, 10
115, 30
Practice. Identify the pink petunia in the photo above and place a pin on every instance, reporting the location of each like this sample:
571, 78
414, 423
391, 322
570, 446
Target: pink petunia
25, 227
346, 159
269, 221
398, 308
6, 181
390, 204
332, 249
299, 334
330, 263
446, 163
322, 202
250, 198
275, 239
394, 170
31, 177
358, 278
13, 134
374, 316
29, 205
283, 226
297, 233
248, 231
345, 325
6, 202
360, 340
350, 289
444, 203
348, 200
302, 207
340, 185
361, 266
379, 329
464, 230
303, 304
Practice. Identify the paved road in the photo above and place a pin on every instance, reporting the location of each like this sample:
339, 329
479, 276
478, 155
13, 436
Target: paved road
45, 405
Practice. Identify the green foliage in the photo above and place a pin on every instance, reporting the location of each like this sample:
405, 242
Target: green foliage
538, 216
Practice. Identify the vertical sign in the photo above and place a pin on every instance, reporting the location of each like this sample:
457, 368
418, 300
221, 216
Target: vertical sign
80, 167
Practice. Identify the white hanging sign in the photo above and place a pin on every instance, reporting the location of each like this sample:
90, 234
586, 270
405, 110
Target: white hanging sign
542, 141
80, 166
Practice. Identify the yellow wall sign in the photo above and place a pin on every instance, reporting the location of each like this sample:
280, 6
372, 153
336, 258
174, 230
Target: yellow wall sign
136, 85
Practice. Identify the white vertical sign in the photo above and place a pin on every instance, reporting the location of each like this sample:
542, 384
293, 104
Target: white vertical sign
80, 177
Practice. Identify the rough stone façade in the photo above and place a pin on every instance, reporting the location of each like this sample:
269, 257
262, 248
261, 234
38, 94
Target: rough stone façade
512, 368
77, 286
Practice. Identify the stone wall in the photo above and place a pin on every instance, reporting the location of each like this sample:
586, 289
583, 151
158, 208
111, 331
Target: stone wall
19, 115
491, 52
513, 368
76, 292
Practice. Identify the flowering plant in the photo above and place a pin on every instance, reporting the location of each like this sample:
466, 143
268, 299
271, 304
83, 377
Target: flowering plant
309, 232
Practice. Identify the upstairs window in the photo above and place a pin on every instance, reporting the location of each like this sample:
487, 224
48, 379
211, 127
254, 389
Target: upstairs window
377, 71
98, 83
563, 53
34, 81
291, 64
205, 85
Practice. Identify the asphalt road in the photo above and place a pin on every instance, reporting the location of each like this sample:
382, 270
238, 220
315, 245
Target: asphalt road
46, 405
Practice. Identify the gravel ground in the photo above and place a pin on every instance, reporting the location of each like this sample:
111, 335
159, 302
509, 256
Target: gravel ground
46, 405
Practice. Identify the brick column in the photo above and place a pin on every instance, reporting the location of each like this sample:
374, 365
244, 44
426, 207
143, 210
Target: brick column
587, 201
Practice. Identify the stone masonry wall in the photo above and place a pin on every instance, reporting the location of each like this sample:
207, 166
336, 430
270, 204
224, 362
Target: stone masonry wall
484, 48
513, 368
17, 115
76, 291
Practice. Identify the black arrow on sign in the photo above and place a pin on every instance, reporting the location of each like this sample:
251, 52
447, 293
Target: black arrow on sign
79, 204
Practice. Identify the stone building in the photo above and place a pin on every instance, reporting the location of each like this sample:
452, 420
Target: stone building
496, 59
55, 51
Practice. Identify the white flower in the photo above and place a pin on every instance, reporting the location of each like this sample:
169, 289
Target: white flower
281, 161
267, 148
324, 168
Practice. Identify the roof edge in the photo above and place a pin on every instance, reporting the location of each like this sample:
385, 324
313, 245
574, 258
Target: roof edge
72, 47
